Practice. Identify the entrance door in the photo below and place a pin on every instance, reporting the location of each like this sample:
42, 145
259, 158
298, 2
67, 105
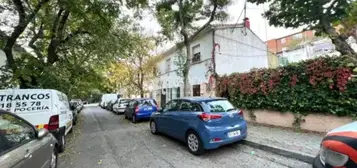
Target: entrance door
196, 89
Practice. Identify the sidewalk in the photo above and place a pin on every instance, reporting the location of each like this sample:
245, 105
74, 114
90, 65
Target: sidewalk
301, 146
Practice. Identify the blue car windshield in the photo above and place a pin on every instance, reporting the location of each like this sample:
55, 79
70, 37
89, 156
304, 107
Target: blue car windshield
220, 106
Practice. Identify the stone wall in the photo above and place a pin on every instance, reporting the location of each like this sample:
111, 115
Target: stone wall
312, 122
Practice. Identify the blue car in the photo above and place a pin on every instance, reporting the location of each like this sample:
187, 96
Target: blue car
201, 122
139, 109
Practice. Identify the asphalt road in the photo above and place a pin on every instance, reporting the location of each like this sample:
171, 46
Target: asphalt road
106, 140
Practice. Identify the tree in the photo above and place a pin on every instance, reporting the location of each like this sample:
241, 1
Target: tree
137, 68
349, 22
56, 29
178, 17
317, 15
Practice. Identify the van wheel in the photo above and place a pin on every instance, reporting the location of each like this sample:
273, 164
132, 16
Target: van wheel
62, 143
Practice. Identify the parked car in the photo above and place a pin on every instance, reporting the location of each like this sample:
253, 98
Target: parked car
139, 109
75, 111
202, 122
106, 98
338, 148
78, 103
23, 146
43, 108
110, 104
120, 106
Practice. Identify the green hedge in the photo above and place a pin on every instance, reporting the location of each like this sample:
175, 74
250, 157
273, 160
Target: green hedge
322, 85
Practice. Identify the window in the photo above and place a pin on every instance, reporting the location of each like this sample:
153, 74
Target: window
297, 36
196, 54
283, 41
189, 106
132, 102
178, 92
14, 132
168, 65
196, 90
220, 106
173, 105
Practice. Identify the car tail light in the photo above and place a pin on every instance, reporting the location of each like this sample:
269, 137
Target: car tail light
53, 123
136, 109
207, 116
240, 112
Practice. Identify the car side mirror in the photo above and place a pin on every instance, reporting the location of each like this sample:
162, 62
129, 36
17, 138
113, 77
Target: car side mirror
42, 133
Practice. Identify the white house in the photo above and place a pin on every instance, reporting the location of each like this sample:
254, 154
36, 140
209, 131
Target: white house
227, 48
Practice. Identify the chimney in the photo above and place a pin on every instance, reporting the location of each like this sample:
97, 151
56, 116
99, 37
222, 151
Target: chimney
246, 23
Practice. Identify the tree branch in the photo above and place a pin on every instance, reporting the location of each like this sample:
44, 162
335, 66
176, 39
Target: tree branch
35, 37
56, 37
72, 35
329, 9
211, 18
19, 29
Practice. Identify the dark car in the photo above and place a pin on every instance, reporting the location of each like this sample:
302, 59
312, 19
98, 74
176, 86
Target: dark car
140, 108
110, 104
78, 103
75, 111
201, 122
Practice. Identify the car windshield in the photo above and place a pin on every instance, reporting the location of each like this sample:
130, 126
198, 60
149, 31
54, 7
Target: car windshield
124, 101
220, 106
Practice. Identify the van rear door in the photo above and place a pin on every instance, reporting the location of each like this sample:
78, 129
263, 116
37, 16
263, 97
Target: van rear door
34, 105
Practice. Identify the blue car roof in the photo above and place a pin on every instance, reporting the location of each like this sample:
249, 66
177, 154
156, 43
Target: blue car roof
202, 99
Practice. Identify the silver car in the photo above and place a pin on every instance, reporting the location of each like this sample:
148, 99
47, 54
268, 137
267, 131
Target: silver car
22, 146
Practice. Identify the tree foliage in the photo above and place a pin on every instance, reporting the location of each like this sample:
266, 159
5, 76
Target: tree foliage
70, 41
314, 14
136, 69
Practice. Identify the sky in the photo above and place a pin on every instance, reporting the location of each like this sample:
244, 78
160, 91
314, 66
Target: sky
258, 23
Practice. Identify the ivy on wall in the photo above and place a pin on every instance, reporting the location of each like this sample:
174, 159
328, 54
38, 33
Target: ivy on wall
322, 85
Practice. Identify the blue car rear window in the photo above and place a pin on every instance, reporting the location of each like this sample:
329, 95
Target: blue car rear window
219, 105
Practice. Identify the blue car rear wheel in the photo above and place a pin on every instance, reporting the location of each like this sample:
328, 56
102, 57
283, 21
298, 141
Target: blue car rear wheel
194, 143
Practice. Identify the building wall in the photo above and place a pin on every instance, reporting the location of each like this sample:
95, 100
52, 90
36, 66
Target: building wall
170, 80
239, 52
278, 45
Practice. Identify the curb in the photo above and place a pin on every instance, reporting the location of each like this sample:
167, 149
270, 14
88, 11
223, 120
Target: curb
298, 156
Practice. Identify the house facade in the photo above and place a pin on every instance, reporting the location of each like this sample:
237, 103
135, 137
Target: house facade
224, 49
302, 46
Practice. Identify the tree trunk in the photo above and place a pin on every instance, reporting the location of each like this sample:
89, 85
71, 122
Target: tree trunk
186, 84
341, 45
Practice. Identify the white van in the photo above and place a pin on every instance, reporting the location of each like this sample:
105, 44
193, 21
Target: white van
106, 98
44, 108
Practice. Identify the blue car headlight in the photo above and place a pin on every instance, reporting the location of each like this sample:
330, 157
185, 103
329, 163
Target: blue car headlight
332, 158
